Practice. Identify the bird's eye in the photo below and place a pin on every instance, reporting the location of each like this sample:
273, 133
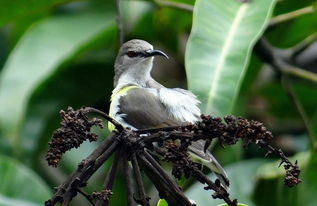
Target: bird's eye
132, 54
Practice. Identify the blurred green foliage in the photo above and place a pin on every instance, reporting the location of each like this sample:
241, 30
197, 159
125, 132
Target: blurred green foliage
59, 53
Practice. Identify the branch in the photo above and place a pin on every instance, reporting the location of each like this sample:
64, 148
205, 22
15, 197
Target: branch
119, 22
220, 192
165, 191
300, 47
175, 5
110, 178
301, 73
66, 191
128, 179
291, 15
279, 63
171, 145
86, 196
141, 199
286, 82
181, 6
173, 191
118, 126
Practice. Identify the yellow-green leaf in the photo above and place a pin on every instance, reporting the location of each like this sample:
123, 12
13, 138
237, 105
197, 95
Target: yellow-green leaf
219, 47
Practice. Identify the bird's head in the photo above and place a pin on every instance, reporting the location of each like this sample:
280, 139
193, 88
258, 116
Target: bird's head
136, 58
137, 51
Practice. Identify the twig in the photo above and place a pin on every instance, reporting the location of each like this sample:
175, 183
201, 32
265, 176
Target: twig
155, 130
128, 178
280, 59
280, 64
110, 177
300, 47
170, 194
118, 126
171, 183
302, 74
119, 22
65, 192
290, 92
99, 161
141, 199
291, 15
228, 130
175, 5
220, 192
158, 167
86, 196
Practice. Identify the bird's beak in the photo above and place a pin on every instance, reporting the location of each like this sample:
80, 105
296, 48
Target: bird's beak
150, 53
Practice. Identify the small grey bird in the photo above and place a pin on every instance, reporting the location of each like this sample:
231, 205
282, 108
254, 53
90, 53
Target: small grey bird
140, 102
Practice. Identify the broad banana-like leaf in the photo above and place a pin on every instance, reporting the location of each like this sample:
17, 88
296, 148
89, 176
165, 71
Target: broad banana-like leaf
20, 186
11, 10
218, 50
39, 53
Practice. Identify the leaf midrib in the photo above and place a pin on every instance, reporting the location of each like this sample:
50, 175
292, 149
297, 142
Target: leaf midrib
225, 49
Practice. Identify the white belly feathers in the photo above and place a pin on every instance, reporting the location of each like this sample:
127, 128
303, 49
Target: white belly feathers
180, 104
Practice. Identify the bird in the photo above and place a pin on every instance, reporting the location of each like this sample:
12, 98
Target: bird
140, 102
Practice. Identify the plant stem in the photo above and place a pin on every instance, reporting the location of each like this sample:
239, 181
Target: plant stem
128, 178
86, 196
175, 5
286, 82
65, 192
142, 199
119, 22
171, 194
110, 177
118, 126
291, 15
301, 46
303, 74
270, 56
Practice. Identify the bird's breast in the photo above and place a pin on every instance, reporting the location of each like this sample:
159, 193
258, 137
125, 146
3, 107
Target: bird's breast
117, 93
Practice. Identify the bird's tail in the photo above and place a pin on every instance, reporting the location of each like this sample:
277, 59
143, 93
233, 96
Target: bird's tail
215, 167
208, 160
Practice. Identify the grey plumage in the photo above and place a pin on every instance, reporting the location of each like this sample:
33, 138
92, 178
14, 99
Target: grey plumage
149, 104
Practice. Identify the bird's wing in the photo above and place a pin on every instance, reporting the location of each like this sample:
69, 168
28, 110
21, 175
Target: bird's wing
142, 109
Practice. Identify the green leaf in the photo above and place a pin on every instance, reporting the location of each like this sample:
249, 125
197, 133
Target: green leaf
37, 56
162, 202
42, 115
300, 28
14, 9
20, 186
219, 47
242, 178
280, 104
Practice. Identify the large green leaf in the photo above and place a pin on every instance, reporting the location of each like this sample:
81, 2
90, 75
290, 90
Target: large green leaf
219, 47
14, 9
299, 28
42, 116
20, 186
39, 53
